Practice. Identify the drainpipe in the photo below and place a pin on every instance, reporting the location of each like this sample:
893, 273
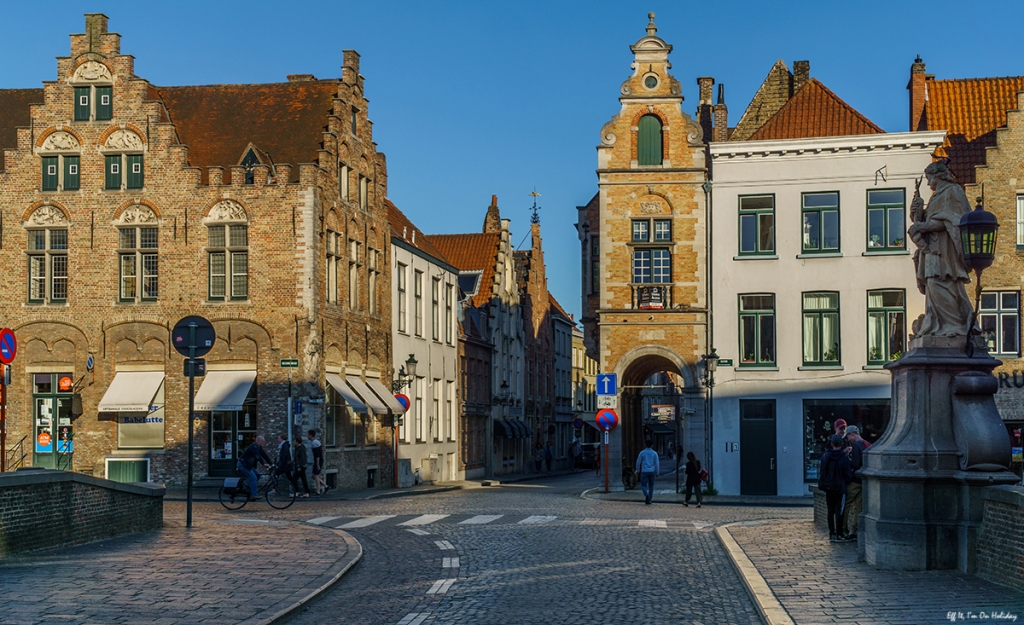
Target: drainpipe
709, 318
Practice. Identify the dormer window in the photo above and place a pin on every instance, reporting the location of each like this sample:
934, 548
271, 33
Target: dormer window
249, 162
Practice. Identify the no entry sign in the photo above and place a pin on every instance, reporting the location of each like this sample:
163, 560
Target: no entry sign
8, 346
606, 419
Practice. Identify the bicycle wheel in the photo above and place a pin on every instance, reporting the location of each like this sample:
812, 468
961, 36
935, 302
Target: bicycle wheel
233, 502
280, 493
629, 480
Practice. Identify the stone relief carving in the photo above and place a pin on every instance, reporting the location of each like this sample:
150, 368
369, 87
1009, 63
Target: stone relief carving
60, 141
47, 215
650, 207
138, 214
124, 140
91, 71
227, 210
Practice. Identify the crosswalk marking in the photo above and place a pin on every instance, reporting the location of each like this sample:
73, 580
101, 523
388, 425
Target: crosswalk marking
595, 521
414, 618
651, 523
444, 545
450, 563
370, 520
418, 532
480, 519
425, 519
537, 518
701, 525
441, 586
320, 520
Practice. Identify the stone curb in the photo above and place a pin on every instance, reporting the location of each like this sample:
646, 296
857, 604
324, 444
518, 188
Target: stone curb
411, 493
354, 555
768, 606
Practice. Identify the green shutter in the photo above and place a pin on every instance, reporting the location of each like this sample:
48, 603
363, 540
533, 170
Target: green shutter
82, 104
104, 102
135, 171
113, 172
71, 173
127, 470
50, 173
648, 143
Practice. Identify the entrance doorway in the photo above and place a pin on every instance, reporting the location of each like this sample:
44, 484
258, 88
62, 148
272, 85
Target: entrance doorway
54, 435
758, 470
231, 431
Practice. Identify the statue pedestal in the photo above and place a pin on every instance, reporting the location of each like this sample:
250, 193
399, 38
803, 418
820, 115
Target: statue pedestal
945, 442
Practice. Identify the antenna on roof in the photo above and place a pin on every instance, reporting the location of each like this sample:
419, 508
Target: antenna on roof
536, 218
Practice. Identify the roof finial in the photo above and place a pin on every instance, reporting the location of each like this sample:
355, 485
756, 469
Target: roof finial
651, 28
535, 219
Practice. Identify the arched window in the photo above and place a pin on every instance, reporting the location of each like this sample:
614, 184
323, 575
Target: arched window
137, 249
227, 251
648, 143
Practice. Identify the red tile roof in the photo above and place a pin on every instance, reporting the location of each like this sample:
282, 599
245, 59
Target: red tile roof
217, 122
969, 110
15, 113
472, 252
814, 111
402, 228
558, 308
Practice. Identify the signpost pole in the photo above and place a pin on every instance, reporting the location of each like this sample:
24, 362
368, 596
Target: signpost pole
191, 414
606, 461
3, 424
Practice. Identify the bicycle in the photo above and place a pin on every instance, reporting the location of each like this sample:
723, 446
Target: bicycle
279, 493
629, 477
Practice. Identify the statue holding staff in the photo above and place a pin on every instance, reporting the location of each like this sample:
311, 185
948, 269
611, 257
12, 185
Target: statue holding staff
939, 259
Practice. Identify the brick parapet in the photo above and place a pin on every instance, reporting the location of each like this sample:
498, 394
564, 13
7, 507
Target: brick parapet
1000, 543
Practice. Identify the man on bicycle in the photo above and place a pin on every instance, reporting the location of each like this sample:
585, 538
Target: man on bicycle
252, 456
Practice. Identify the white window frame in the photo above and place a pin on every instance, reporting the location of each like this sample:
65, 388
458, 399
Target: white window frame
230, 253
138, 255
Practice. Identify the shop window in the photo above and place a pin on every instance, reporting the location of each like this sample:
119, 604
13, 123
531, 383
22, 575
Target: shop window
47, 265
821, 328
999, 318
820, 222
886, 325
757, 224
757, 330
886, 220
871, 416
54, 433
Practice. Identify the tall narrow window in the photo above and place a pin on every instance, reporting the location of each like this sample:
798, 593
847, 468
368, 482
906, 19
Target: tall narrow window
886, 220
820, 222
104, 103
757, 330
402, 297
595, 265
435, 418
47, 265
1020, 221
333, 260
886, 325
821, 328
137, 251
364, 192
353, 274
757, 224
343, 176
999, 317
373, 263
354, 119
449, 329
648, 142
228, 261
417, 287
435, 305
83, 104
449, 413
420, 421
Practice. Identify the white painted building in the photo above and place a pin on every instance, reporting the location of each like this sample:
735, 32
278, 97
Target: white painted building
813, 292
425, 297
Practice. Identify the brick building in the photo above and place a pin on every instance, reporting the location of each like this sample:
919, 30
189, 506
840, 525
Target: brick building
475, 390
128, 206
985, 147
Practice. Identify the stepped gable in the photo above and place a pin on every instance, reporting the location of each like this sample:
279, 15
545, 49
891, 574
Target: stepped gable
472, 252
218, 122
15, 113
774, 92
814, 111
402, 228
970, 110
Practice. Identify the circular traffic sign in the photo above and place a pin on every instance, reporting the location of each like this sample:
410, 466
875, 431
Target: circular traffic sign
404, 400
8, 346
578, 423
606, 419
205, 336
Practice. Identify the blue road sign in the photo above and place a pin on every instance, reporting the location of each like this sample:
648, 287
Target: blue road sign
607, 384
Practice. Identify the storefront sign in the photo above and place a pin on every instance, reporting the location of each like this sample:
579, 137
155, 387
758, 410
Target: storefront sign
65, 383
1017, 454
651, 297
1011, 379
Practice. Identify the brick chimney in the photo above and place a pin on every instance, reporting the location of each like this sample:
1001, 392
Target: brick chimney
918, 89
350, 69
492, 222
706, 83
705, 86
801, 74
721, 132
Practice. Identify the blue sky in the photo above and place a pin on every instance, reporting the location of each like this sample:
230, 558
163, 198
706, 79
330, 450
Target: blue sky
471, 99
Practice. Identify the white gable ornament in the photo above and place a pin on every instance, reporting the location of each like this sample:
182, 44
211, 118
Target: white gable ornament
91, 71
123, 140
47, 215
227, 210
60, 141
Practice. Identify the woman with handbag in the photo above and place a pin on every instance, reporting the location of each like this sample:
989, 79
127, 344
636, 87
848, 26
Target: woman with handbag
693, 478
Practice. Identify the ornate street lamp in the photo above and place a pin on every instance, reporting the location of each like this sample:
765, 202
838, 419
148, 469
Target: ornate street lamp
406, 375
504, 398
978, 237
710, 366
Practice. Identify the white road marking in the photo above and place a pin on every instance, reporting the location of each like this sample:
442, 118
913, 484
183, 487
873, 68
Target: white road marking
535, 519
480, 519
701, 525
414, 618
441, 586
320, 520
370, 520
595, 521
418, 532
651, 523
444, 545
425, 519
450, 563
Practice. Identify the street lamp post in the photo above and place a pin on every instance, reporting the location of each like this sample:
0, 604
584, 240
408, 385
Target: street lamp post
710, 366
978, 237
406, 376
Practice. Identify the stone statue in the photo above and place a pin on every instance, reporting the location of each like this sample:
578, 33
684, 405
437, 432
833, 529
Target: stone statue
939, 259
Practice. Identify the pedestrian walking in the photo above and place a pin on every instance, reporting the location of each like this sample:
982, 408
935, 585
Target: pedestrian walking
648, 467
549, 455
538, 456
284, 460
854, 503
692, 471
300, 459
574, 453
317, 450
833, 476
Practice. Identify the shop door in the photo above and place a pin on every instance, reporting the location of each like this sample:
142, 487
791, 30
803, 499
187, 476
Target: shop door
53, 443
231, 431
758, 472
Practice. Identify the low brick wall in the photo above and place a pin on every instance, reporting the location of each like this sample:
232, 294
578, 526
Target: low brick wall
46, 509
820, 507
1001, 536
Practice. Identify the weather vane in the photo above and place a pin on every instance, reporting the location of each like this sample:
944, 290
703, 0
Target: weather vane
536, 218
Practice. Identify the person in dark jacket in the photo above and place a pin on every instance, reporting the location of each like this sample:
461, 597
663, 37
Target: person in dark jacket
833, 475
247, 462
284, 460
692, 478
300, 458
854, 504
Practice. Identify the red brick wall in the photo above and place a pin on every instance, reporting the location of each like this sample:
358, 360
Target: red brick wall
1000, 556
